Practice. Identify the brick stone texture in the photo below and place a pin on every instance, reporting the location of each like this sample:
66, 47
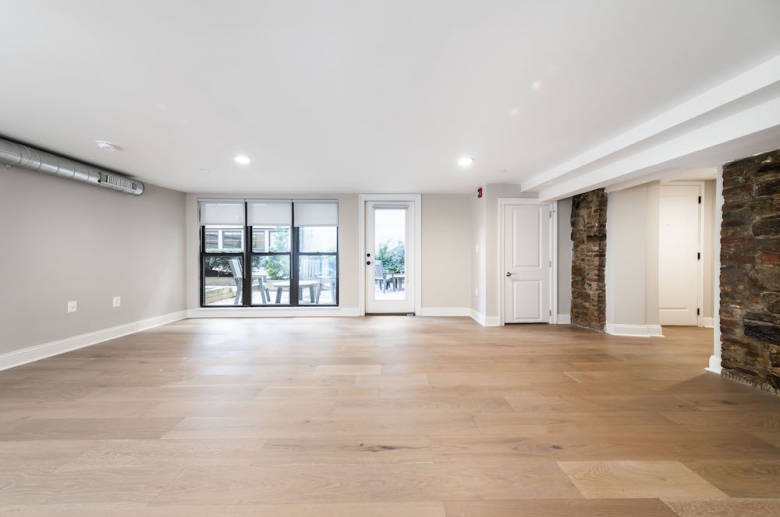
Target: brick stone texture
589, 252
750, 271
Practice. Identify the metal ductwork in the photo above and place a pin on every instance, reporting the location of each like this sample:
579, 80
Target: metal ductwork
24, 157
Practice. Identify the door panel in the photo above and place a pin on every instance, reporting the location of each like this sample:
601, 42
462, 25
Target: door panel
678, 248
527, 251
389, 257
527, 300
527, 263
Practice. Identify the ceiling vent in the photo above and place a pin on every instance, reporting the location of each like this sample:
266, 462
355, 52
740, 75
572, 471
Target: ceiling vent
24, 157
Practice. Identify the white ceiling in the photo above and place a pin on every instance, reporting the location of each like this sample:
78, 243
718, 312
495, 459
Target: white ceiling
349, 96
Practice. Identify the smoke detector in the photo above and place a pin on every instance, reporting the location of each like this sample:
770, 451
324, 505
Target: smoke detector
107, 146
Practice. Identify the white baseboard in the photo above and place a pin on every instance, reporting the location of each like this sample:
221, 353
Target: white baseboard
38, 352
272, 312
492, 321
444, 311
564, 319
485, 321
714, 366
477, 316
619, 329
706, 322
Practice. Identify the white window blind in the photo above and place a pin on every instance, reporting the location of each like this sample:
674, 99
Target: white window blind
270, 213
316, 213
225, 213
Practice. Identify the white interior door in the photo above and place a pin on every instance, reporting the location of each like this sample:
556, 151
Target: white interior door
678, 255
526, 263
390, 273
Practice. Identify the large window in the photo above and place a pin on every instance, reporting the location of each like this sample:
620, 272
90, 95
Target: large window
292, 247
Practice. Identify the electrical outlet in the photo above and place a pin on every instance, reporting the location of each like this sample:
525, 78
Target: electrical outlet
73, 306
117, 301
476, 248
476, 291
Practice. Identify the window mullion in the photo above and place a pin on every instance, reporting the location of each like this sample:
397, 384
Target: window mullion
294, 264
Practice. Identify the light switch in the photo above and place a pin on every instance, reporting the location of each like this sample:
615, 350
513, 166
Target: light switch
73, 306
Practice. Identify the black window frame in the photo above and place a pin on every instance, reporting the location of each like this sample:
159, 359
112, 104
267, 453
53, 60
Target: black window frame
299, 254
204, 254
289, 254
248, 254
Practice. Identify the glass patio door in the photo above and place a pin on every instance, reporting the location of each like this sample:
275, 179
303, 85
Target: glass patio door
389, 257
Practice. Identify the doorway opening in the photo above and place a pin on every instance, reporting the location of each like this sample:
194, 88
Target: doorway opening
390, 244
527, 258
685, 261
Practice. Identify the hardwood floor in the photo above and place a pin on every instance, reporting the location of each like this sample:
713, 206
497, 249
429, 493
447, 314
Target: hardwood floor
385, 417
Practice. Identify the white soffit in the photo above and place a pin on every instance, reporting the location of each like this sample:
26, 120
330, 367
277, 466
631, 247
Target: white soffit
746, 105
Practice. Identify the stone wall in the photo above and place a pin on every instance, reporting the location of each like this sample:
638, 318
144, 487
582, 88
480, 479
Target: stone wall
589, 251
750, 271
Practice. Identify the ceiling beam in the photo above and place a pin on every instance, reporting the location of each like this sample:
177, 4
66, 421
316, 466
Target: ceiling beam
662, 156
764, 75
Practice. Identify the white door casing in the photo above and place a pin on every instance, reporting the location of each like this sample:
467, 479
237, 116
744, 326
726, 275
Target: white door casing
402, 300
526, 263
679, 258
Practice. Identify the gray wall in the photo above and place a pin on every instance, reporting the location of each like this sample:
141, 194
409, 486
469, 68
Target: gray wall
66, 241
446, 250
484, 236
478, 253
446, 262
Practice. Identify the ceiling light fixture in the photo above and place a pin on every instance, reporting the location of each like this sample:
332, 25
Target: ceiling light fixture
242, 160
465, 161
107, 146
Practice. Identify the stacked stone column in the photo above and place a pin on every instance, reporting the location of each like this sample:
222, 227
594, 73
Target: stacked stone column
750, 271
589, 253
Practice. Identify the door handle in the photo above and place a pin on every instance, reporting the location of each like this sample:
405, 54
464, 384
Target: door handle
368, 262
508, 274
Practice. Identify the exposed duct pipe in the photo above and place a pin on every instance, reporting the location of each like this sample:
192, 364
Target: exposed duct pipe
24, 157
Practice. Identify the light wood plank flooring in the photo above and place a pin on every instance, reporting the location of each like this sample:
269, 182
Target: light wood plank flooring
385, 417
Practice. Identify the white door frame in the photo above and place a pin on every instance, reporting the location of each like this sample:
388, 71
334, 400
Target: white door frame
407, 198
700, 246
503, 202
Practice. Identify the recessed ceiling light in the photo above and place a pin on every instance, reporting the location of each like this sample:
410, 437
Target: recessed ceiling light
107, 146
465, 161
536, 85
242, 160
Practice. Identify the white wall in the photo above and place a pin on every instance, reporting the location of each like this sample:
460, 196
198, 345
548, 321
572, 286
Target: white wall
446, 251
67, 241
564, 256
707, 253
632, 261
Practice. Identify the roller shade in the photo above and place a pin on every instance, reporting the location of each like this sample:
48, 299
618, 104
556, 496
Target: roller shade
224, 213
270, 213
316, 213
